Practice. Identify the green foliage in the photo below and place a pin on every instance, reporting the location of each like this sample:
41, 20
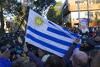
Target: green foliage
54, 13
58, 6
16, 8
42, 5
13, 7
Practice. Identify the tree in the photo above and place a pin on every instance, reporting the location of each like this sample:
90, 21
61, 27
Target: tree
10, 7
54, 13
39, 6
16, 8
42, 5
13, 7
1, 17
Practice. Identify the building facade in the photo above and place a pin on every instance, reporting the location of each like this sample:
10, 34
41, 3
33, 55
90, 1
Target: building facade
92, 5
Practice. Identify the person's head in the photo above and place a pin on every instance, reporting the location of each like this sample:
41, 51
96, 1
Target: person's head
54, 61
79, 59
41, 53
96, 61
97, 37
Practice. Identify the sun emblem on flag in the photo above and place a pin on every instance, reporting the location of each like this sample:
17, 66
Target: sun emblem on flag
38, 21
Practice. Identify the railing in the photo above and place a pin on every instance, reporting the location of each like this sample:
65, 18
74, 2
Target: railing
84, 7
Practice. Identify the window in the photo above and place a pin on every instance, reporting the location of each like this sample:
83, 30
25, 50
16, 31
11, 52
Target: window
98, 15
92, 1
81, 2
97, 1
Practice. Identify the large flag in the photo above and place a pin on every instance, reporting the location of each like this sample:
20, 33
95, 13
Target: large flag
47, 35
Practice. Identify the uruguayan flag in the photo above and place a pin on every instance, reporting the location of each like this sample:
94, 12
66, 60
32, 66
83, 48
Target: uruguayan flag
47, 35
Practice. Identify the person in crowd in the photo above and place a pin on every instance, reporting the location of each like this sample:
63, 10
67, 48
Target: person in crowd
83, 26
43, 55
80, 59
89, 37
96, 60
4, 59
54, 61
96, 49
39, 63
97, 38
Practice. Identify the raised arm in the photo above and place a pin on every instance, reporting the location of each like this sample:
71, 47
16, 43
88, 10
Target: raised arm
34, 58
70, 51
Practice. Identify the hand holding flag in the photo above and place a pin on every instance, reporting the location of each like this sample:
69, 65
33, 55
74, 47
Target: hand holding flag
48, 36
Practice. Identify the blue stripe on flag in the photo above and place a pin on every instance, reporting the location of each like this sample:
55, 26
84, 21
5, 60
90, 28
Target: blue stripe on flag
45, 44
35, 36
73, 34
57, 32
51, 23
49, 37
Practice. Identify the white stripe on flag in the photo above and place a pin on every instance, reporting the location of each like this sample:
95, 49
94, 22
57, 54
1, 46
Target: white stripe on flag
48, 36
44, 48
57, 36
60, 28
49, 41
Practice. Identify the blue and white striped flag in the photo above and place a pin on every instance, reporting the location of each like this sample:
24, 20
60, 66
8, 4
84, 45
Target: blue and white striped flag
47, 35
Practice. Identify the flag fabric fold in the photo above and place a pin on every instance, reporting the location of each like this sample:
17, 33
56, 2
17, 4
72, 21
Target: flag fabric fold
47, 35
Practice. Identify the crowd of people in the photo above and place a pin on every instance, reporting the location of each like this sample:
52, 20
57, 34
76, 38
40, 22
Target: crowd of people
19, 55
